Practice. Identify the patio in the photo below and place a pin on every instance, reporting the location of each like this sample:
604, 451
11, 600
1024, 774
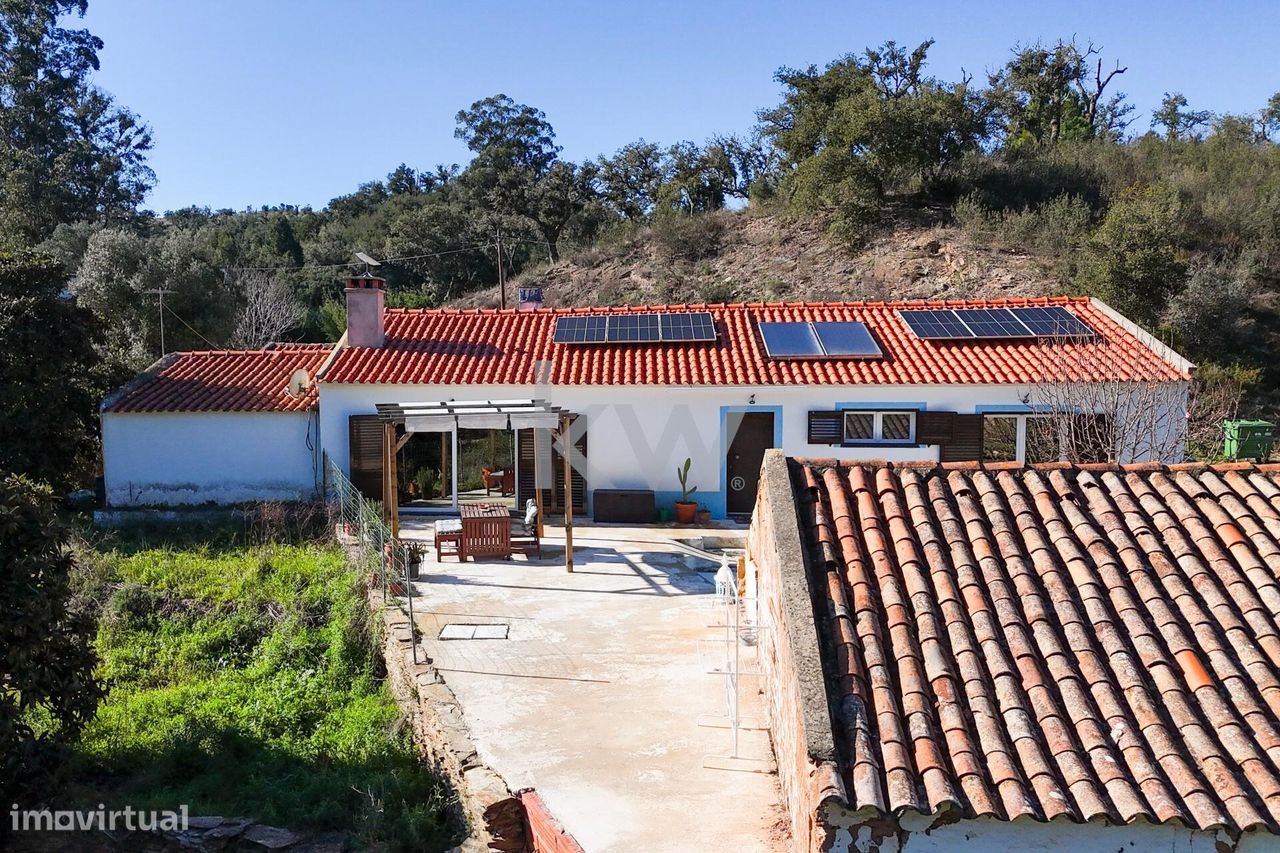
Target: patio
596, 693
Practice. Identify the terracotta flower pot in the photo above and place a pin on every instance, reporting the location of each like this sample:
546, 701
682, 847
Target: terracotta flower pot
685, 512
704, 517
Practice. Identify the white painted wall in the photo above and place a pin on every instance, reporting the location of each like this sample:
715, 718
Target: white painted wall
638, 435
165, 459
985, 835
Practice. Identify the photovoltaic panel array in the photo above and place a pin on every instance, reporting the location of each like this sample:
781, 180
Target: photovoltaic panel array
1052, 321
683, 327
947, 324
819, 340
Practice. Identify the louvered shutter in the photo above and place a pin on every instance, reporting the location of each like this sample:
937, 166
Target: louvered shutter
553, 498
935, 427
966, 440
365, 436
826, 427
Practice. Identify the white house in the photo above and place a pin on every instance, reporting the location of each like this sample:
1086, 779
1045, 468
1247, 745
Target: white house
652, 386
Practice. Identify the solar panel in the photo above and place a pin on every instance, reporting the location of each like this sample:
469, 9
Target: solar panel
993, 323
1052, 321
847, 339
694, 326
587, 329
633, 329
790, 340
930, 324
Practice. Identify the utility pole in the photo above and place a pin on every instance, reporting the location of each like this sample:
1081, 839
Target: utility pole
161, 293
502, 279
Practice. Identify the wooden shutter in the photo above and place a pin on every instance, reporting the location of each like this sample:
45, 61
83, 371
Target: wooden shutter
365, 436
966, 440
553, 498
826, 427
935, 427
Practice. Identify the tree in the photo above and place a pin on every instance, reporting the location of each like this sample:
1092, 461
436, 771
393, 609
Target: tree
46, 649
67, 151
270, 309
869, 126
1051, 94
1132, 260
121, 267
50, 382
629, 180
517, 169
1269, 118
1178, 121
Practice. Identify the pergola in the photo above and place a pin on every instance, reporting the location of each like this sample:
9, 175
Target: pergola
452, 415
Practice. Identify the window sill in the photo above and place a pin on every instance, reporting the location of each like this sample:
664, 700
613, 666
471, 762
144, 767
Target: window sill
880, 444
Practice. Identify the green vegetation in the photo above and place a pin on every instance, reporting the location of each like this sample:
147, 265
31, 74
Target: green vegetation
47, 690
245, 681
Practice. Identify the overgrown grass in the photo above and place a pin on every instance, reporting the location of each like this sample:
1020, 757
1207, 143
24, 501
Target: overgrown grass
244, 680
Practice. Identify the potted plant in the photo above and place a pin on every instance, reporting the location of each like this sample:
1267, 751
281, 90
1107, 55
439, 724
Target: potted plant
685, 508
704, 516
425, 480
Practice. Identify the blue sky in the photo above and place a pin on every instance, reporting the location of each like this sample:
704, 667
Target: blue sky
296, 101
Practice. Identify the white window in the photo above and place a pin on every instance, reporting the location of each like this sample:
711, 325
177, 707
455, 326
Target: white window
1035, 438
888, 427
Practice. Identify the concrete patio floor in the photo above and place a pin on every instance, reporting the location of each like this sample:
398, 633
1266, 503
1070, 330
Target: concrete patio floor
596, 695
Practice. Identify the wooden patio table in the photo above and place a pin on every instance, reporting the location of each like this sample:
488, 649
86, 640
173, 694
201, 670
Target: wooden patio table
486, 531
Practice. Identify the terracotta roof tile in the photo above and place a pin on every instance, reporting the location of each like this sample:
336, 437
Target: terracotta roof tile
223, 381
482, 347
1091, 642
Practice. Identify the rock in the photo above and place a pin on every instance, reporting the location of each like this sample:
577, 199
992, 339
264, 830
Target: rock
271, 837
229, 828
203, 822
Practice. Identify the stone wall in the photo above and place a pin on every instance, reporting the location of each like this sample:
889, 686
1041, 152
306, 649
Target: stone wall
494, 816
795, 689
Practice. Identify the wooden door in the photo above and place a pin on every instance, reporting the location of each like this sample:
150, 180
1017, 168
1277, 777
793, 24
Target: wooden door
750, 435
365, 437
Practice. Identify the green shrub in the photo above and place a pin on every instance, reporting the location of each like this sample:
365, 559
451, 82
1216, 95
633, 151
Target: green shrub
689, 238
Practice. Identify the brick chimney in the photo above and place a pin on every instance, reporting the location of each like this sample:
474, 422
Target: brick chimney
365, 311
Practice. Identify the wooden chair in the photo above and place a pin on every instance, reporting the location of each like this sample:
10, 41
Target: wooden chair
504, 481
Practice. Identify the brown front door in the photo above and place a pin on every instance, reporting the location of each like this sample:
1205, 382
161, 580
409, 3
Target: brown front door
750, 435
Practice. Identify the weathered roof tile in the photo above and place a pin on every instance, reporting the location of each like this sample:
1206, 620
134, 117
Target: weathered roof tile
1093, 643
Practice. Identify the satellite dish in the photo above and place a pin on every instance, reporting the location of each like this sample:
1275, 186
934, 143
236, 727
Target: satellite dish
299, 383
368, 261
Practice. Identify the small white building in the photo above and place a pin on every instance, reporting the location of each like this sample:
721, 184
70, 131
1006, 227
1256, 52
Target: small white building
651, 387
216, 427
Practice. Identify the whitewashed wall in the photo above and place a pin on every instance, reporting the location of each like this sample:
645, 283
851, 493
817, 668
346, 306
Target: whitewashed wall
215, 457
638, 435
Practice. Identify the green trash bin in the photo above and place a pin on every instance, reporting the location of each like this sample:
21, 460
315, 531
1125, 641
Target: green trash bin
1248, 439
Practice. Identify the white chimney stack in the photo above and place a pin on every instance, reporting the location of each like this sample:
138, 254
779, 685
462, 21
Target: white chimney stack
529, 298
365, 324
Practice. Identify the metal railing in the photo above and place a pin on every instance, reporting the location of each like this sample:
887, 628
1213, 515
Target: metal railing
384, 559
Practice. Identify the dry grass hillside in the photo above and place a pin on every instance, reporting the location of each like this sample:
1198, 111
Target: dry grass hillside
732, 257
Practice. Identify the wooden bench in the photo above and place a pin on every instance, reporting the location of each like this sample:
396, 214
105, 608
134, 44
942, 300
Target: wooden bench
486, 531
449, 539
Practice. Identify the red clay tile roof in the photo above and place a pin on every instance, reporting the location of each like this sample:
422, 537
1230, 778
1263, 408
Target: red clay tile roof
1087, 642
471, 347
224, 381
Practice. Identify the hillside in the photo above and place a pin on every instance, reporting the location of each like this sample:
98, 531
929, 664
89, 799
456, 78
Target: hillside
747, 257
